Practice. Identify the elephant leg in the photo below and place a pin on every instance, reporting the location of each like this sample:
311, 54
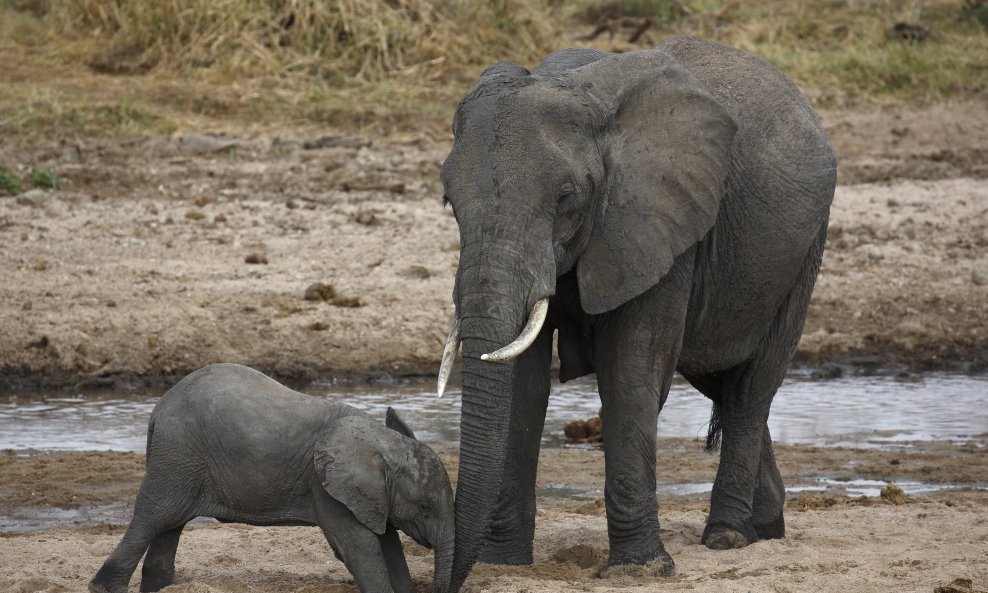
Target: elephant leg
114, 575
155, 516
748, 494
729, 523
770, 495
637, 347
394, 557
360, 549
513, 525
159, 563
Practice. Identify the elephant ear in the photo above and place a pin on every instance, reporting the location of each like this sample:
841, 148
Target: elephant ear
667, 153
393, 421
351, 468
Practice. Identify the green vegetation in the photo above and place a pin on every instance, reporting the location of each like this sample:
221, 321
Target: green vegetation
44, 179
10, 183
92, 67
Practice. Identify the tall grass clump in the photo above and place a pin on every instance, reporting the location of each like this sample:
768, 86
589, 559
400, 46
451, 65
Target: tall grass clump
368, 39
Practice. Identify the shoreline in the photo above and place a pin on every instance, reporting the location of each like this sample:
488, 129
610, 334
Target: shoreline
853, 365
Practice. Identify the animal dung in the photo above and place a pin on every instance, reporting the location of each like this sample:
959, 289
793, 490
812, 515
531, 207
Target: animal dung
585, 431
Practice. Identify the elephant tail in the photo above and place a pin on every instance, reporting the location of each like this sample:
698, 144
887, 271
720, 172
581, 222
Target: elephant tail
713, 430
147, 449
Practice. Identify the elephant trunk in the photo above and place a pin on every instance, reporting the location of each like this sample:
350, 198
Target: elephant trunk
492, 308
443, 561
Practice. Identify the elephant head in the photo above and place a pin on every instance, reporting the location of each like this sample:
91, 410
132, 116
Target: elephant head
385, 476
609, 169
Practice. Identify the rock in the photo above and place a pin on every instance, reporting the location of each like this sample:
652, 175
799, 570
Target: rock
347, 301
41, 343
319, 291
194, 214
893, 494
595, 430
332, 141
576, 430
318, 326
417, 271
585, 431
256, 258
366, 218
35, 198
979, 273
827, 371
910, 327
206, 143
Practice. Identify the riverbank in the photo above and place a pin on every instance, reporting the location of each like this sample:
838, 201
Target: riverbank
157, 256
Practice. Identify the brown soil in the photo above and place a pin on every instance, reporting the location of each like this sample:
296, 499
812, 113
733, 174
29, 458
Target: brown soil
149, 262
865, 543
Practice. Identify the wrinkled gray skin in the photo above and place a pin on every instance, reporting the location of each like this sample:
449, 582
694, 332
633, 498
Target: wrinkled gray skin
231, 443
674, 204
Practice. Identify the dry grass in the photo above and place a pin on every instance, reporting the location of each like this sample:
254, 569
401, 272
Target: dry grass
119, 67
332, 39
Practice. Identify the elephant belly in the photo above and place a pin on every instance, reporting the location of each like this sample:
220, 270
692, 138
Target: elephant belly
263, 518
741, 280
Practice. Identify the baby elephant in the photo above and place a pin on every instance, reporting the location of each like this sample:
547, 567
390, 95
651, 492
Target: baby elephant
231, 443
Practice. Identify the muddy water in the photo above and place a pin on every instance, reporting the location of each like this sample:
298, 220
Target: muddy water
854, 411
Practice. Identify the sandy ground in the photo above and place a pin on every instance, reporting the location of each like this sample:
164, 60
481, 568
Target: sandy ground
137, 269
835, 542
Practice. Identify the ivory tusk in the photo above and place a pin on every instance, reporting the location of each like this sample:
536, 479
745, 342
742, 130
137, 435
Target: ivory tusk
449, 353
535, 320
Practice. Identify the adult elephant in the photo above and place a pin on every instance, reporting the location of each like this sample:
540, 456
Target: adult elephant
663, 210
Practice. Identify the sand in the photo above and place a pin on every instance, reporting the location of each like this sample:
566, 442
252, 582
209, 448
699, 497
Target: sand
835, 541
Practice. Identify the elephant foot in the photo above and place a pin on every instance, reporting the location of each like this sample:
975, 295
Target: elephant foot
156, 582
659, 567
507, 552
644, 561
775, 529
108, 580
718, 536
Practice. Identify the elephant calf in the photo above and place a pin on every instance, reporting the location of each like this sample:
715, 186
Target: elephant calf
231, 443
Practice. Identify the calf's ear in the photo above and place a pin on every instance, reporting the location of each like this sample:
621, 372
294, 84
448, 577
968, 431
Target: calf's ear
350, 467
395, 423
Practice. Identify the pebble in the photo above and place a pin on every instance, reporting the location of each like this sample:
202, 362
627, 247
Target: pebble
256, 258
319, 291
979, 274
366, 218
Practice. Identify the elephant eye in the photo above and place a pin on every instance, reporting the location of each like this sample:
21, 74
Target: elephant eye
424, 507
566, 197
